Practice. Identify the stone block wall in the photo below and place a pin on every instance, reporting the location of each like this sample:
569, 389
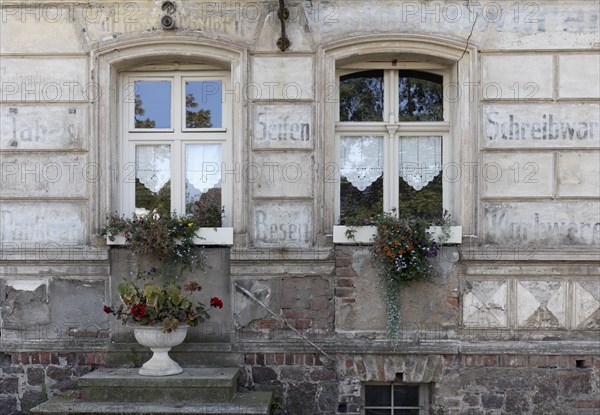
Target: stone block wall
490, 384
29, 378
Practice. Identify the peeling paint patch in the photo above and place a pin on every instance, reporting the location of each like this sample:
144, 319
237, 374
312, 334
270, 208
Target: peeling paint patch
26, 285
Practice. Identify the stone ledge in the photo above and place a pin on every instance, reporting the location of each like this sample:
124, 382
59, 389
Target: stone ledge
52, 253
190, 378
242, 404
204, 385
527, 253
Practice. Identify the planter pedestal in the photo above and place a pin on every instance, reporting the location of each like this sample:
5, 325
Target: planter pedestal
160, 343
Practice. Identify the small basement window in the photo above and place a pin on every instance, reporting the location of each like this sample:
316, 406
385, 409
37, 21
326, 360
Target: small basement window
395, 399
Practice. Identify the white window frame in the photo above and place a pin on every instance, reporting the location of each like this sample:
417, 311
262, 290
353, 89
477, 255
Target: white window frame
177, 136
392, 130
424, 403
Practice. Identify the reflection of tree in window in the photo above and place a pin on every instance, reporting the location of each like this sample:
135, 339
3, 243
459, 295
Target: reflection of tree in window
147, 199
421, 96
356, 205
206, 207
195, 118
425, 203
139, 111
361, 96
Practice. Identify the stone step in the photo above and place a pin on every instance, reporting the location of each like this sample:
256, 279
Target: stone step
193, 385
249, 403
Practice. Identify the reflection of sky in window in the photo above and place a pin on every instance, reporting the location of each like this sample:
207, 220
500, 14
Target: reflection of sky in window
156, 102
208, 96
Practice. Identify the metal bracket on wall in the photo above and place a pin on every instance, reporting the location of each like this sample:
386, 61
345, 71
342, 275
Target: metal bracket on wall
283, 13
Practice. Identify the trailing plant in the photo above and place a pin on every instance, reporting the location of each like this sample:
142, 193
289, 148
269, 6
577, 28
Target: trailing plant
168, 237
403, 249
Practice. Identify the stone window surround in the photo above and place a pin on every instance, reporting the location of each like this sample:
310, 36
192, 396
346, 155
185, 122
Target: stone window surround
112, 57
464, 126
423, 395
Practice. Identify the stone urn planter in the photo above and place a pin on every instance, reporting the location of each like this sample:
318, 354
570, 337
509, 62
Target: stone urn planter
160, 343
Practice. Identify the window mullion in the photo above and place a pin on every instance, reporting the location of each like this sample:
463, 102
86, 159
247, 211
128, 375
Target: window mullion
177, 180
389, 168
176, 104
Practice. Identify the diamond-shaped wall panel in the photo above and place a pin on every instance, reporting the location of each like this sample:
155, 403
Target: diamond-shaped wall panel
484, 304
541, 304
587, 305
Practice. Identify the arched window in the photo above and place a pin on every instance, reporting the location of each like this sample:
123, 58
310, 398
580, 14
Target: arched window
399, 128
391, 128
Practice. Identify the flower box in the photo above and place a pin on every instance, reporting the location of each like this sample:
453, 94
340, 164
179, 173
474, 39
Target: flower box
366, 234
204, 236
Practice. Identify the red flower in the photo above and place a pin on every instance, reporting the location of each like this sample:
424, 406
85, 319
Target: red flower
138, 310
107, 309
216, 302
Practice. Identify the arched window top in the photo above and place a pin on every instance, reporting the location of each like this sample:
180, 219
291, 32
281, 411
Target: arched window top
130, 53
396, 46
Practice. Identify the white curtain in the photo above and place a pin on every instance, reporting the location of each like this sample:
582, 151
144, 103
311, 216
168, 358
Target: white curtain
420, 160
153, 166
203, 166
361, 160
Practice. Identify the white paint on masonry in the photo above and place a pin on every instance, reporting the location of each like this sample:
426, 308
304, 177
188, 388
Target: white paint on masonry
43, 127
499, 25
282, 174
283, 224
46, 80
514, 77
46, 28
289, 78
586, 303
62, 175
57, 223
578, 76
541, 304
542, 224
509, 175
579, 174
282, 126
485, 305
563, 125
26, 284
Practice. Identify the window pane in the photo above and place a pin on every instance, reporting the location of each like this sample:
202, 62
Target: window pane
361, 172
420, 183
153, 178
378, 395
152, 104
421, 96
203, 104
406, 396
378, 412
361, 96
407, 411
203, 182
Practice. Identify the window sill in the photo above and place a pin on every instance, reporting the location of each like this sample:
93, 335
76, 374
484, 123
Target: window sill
366, 234
204, 236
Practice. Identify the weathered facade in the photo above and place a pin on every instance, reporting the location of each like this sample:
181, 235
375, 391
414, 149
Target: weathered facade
510, 327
